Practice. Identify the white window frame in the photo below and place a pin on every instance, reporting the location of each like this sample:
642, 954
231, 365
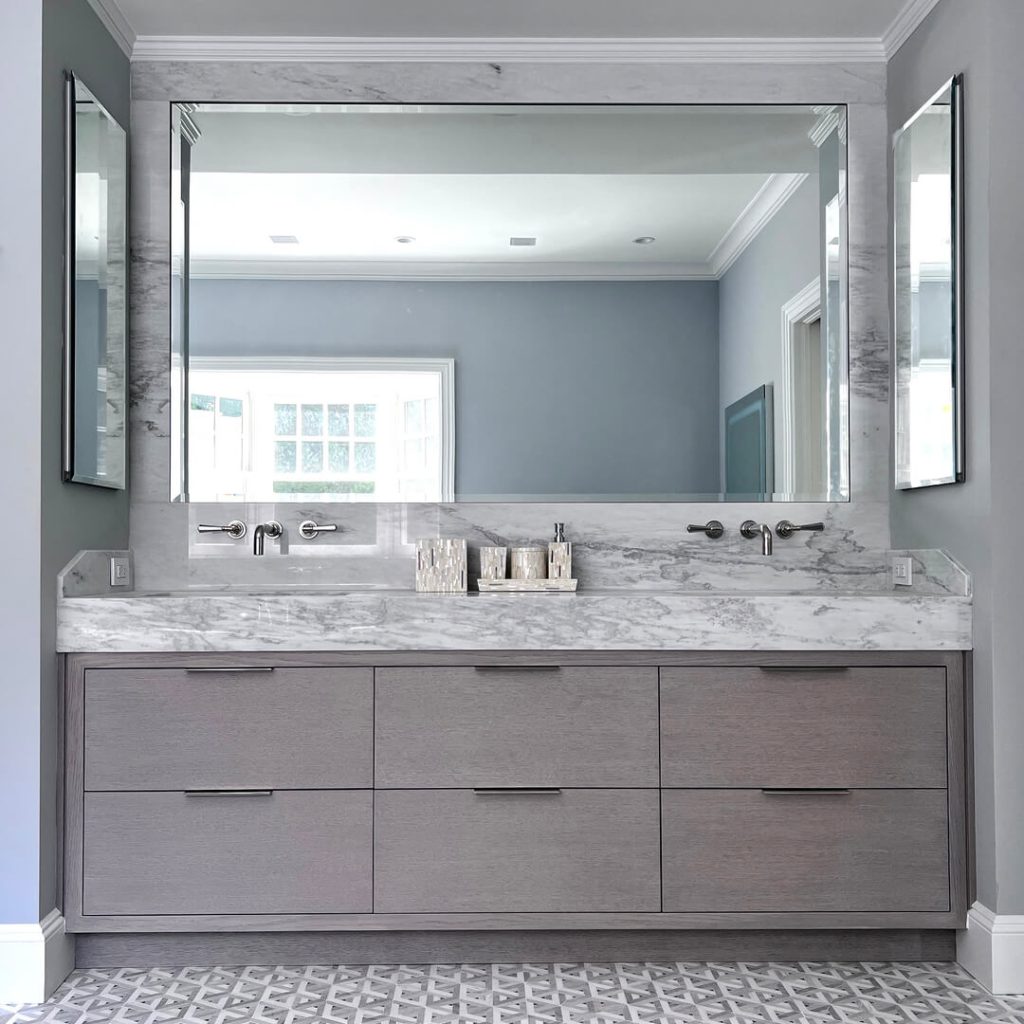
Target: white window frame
800, 311
444, 368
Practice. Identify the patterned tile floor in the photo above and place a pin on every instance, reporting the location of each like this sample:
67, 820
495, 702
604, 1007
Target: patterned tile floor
652, 993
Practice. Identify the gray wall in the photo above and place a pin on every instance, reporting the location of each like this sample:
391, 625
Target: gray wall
970, 520
541, 368
782, 260
38, 40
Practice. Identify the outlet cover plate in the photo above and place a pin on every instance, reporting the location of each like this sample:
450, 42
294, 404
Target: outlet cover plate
902, 571
120, 571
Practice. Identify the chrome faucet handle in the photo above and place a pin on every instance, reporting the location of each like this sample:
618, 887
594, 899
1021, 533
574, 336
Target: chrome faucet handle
787, 529
311, 530
712, 528
235, 529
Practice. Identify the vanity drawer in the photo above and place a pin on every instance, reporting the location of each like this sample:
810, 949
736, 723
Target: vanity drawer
460, 851
286, 728
462, 727
290, 852
733, 851
858, 727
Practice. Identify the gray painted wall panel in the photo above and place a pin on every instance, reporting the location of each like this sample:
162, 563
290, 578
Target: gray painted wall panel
982, 40
20, 255
40, 40
535, 363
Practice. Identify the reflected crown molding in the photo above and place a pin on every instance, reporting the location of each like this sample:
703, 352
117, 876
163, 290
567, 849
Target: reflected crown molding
430, 270
770, 198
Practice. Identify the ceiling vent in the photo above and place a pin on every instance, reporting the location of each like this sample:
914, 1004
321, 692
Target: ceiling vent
522, 240
284, 239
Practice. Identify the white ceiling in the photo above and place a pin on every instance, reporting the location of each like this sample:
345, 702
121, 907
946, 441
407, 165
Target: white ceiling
533, 18
787, 29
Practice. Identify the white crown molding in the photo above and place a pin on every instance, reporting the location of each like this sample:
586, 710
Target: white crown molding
770, 198
115, 23
34, 959
904, 24
780, 50
992, 949
507, 50
436, 270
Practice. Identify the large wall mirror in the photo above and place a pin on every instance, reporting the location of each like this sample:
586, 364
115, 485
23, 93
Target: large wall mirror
95, 291
509, 303
929, 293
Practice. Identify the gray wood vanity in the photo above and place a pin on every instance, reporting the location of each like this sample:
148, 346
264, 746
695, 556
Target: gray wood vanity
515, 790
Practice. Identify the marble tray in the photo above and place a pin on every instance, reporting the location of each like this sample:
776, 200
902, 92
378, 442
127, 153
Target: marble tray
527, 586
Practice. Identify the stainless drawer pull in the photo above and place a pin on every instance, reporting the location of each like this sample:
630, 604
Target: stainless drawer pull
231, 669
804, 668
518, 791
518, 668
806, 792
229, 792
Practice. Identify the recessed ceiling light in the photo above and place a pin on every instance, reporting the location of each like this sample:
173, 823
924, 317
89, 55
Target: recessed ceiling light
405, 239
644, 240
284, 239
522, 240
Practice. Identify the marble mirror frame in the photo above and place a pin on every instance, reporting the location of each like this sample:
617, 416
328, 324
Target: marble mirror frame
94, 427
905, 321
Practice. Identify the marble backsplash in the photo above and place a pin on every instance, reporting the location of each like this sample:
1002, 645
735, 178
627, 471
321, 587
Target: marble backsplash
615, 547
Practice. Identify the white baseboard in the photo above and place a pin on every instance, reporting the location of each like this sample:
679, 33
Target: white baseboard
34, 959
992, 949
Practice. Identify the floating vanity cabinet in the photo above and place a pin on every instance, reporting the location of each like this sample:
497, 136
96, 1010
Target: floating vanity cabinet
538, 791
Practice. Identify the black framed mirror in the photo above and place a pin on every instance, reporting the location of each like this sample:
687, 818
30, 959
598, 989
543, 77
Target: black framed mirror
94, 440
928, 328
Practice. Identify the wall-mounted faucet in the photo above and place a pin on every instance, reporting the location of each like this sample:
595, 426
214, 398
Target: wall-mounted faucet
750, 530
272, 529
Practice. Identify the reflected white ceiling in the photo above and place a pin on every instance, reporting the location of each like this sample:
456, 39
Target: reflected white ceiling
330, 193
462, 217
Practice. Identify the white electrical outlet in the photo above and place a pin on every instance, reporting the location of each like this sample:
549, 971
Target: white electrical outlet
902, 571
120, 571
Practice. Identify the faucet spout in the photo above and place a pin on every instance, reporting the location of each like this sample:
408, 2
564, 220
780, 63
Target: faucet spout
750, 530
271, 529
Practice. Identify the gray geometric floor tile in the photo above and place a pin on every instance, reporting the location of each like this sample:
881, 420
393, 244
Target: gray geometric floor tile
649, 993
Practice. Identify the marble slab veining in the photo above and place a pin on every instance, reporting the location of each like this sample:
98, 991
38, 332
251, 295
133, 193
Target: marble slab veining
621, 620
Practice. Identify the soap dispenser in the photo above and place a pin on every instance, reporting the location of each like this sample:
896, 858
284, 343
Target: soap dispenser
560, 555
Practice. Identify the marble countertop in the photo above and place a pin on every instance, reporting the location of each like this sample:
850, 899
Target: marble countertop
324, 619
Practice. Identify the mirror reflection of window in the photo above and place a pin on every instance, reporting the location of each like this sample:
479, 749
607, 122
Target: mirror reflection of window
273, 430
609, 281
